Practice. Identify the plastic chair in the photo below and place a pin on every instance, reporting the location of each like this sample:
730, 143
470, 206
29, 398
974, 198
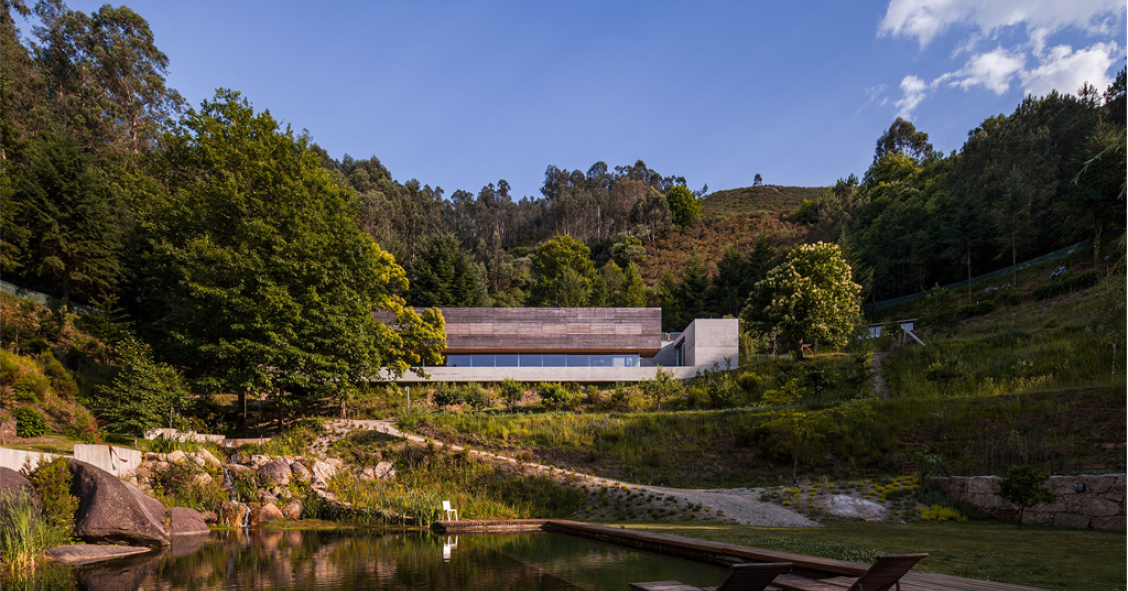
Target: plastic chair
447, 512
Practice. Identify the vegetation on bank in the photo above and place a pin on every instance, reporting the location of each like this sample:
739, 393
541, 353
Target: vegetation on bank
1049, 558
31, 524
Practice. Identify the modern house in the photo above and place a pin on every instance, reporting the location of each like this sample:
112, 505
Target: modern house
587, 345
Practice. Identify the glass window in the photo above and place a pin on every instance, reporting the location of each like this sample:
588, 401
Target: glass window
531, 360
483, 360
599, 360
554, 360
505, 360
579, 360
458, 361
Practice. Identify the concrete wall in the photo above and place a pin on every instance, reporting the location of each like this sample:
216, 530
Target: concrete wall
1099, 506
713, 341
121, 462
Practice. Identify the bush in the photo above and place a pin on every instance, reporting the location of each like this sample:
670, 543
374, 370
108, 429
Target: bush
1082, 281
978, 308
552, 393
512, 391
52, 482
29, 422
446, 394
144, 394
24, 535
61, 380
476, 396
939, 513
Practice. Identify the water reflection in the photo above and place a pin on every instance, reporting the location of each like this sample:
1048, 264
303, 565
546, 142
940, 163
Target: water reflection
360, 560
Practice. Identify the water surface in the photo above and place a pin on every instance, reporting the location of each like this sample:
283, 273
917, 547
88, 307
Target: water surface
361, 560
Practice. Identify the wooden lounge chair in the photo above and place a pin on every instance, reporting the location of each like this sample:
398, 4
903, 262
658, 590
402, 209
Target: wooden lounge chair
742, 577
883, 575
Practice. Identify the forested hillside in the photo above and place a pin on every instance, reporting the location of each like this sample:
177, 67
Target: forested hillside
252, 260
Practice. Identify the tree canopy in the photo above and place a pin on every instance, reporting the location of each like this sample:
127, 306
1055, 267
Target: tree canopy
260, 277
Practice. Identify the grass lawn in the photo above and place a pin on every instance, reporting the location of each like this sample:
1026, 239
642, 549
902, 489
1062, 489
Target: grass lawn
1033, 556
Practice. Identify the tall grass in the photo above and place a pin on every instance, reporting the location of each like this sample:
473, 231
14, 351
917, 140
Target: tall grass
25, 534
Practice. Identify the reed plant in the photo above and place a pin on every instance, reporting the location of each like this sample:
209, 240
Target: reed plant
25, 533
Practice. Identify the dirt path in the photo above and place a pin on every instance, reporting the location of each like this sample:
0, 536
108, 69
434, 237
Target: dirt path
741, 505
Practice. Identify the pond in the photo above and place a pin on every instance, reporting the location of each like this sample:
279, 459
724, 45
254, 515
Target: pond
358, 560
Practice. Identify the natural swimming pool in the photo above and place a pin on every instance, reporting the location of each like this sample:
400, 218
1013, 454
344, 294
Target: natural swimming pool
359, 560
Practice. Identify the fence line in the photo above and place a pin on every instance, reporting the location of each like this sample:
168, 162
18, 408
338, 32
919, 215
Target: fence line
1061, 252
43, 299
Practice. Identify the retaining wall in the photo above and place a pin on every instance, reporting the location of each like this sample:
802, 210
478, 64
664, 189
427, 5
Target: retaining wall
121, 462
1099, 506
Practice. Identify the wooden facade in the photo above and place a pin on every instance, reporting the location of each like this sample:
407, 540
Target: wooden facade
553, 330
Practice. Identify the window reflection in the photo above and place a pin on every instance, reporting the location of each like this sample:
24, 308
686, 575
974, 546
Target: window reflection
539, 360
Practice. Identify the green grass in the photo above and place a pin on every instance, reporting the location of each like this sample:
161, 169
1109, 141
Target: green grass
771, 198
1034, 556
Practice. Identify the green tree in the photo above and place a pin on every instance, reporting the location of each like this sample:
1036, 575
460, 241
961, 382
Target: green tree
693, 291
810, 295
563, 272
902, 137
662, 387
144, 394
633, 292
1023, 488
260, 278
71, 215
442, 274
684, 207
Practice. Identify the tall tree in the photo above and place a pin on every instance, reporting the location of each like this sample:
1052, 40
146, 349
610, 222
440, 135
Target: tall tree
443, 275
72, 218
550, 262
633, 292
903, 137
684, 207
266, 284
810, 295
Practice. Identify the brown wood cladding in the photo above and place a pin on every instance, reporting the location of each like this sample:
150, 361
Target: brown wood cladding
553, 330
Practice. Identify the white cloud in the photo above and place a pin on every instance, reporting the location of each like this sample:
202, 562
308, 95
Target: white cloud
1066, 70
926, 19
993, 70
915, 90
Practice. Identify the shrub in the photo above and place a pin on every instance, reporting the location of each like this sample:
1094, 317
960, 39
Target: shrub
61, 380
1082, 281
52, 482
29, 422
939, 513
24, 535
446, 394
978, 308
1022, 487
144, 394
552, 393
512, 391
476, 396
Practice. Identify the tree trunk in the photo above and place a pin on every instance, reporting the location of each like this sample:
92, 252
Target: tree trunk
1097, 244
969, 273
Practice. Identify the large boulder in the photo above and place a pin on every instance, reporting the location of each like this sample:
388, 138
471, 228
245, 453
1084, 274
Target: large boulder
385, 470
266, 513
11, 482
183, 521
234, 514
276, 472
300, 472
324, 471
77, 554
110, 512
209, 458
293, 510
847, 507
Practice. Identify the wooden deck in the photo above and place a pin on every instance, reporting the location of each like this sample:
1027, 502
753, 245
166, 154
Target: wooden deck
841, 571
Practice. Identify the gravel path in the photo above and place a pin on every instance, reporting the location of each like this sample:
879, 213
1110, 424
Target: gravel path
739, 505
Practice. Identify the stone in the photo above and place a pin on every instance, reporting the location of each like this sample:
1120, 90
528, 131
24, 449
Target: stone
259, 460
338, 464
234, 514
1116, 493
210, 516
293, 510
317, 483
183, 521
368, 473
266, 513
324, 470
237, 469
76, 554
847, 507
1099, 484
201, 480
1037, 517
1062, 485
957, 486
982, 485
152, 457
185, 545
176, 457
1071, 520
277, 472
112, 511
300, 472
1095, 506
1109, 523
385, 470
12, 481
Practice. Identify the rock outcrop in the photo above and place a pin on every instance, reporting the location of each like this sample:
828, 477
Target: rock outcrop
109, 511
183, 521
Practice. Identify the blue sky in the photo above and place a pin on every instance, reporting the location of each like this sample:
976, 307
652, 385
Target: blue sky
461, 94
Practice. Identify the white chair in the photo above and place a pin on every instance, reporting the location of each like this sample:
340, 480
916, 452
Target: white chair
447, 512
